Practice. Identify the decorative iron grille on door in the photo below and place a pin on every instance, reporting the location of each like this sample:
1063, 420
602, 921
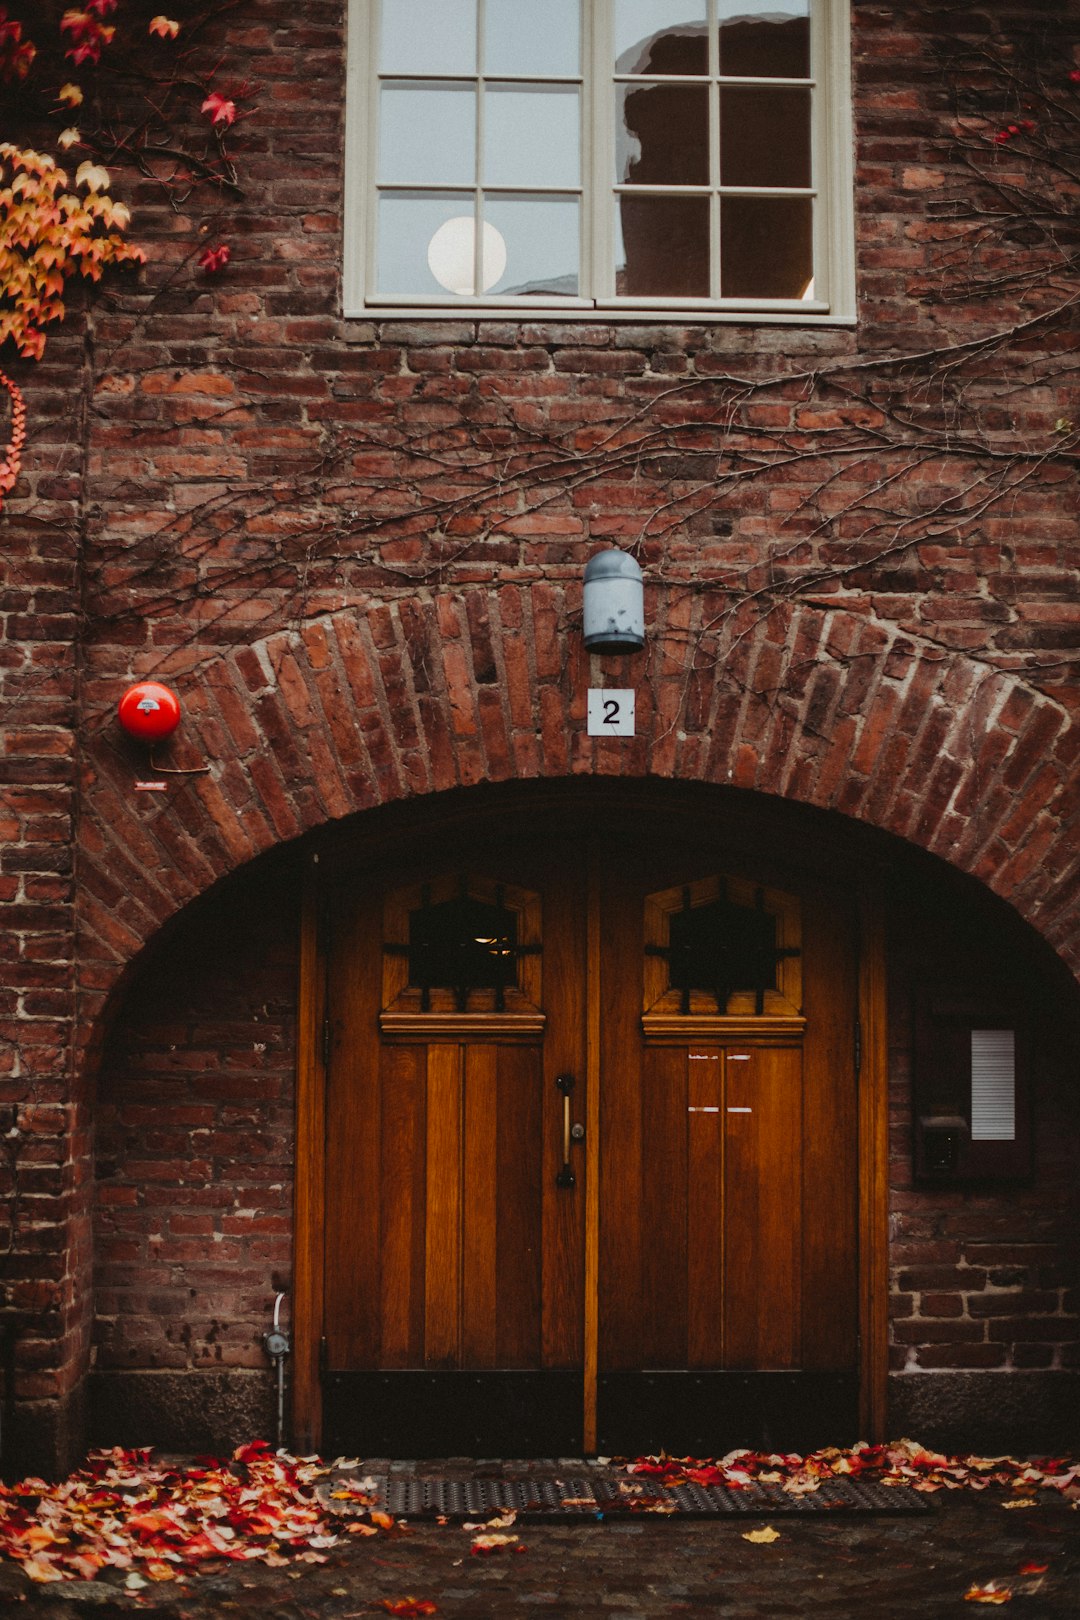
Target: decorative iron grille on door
724, 954
462, 952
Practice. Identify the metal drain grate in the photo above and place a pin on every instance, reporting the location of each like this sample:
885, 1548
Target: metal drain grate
584, 1497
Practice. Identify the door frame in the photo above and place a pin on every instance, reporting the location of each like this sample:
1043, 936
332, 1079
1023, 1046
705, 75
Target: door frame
310, 1179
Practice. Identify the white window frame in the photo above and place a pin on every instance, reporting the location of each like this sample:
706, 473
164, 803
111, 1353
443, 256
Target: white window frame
832, 176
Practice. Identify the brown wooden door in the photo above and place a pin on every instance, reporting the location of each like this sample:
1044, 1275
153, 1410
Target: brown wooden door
695, 1287
454, 1258
728, 1274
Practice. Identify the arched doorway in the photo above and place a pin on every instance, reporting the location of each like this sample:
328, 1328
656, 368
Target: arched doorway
591, 1152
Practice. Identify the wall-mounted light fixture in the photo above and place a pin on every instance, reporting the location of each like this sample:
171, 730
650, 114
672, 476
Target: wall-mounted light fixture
614, 611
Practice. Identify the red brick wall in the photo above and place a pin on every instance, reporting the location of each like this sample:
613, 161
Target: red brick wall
194, 1145
985, 1277
230, 488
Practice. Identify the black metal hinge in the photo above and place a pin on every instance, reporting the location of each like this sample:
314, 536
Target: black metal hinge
327, 1041
858, 1047
324, 1358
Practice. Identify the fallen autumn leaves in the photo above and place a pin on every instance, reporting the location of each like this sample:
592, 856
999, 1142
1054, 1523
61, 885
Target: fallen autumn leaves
153, 1522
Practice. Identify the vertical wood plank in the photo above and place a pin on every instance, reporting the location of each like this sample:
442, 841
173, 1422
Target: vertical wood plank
762, 1237
593, 991
401, 1194
873, 1166
518, 1235
705, 1208
621, 1227
310, 1187
830, 1143
481, 1197
664, 1128
442, 1217
564, 971
352, 1252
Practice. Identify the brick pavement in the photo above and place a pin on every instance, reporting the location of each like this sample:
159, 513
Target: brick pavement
876, 1568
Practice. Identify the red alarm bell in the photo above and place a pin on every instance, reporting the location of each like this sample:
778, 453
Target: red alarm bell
149, 711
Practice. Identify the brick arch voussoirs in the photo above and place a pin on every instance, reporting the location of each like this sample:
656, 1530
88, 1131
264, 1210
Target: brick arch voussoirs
366, 706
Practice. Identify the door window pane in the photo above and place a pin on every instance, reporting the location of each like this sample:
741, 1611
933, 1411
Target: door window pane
764, 40
532, 136
766, 247
662, 250
428, 36
764, 137
427, 134
425, 244
662, 134
541, 38
541, 240
661, 36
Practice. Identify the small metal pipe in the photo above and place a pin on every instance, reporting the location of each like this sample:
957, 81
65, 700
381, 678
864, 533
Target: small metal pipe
276, 1345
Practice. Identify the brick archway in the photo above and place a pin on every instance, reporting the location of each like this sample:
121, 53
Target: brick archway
362, 709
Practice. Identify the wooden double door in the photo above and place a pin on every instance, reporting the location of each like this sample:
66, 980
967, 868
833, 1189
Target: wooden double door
591, 1148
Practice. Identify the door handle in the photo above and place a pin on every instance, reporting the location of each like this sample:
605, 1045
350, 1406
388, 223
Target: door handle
565, 1084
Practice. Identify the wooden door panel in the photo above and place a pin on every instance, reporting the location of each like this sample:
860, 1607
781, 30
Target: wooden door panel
502, 1204
442, 1219
402, 1201
663, 1197
448, 1244
353, 1264
705, 1211
830, 1141
762, 1207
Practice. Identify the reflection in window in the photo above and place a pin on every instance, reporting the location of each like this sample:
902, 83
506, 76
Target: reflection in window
716, 136
666, 252
765, 41
661, 36
703, 109
767, 247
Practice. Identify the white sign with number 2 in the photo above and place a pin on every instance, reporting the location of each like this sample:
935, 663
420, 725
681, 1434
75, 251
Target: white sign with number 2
610, 712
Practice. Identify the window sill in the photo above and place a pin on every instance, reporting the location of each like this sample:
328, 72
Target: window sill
601, 315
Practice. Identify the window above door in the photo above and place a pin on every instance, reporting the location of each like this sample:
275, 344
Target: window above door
684, 159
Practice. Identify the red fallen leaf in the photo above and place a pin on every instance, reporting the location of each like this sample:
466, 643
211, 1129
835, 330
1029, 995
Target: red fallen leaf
408, 1605
990, 1593
214, 259
1034, 1569
254, 1451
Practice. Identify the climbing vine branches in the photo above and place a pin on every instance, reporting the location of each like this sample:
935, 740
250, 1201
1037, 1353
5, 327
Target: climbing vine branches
126, 95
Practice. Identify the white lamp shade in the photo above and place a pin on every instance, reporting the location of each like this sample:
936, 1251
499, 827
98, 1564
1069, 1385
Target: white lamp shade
452, 255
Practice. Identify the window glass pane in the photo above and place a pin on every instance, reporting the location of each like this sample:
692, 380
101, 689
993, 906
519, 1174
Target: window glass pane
428, 36
722, 948
764, 137
532, 136
766, 247
662, 134
540, 237
425, 244
765, 40
662, 247
427, 134
661, 36
462, 945
538, 37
